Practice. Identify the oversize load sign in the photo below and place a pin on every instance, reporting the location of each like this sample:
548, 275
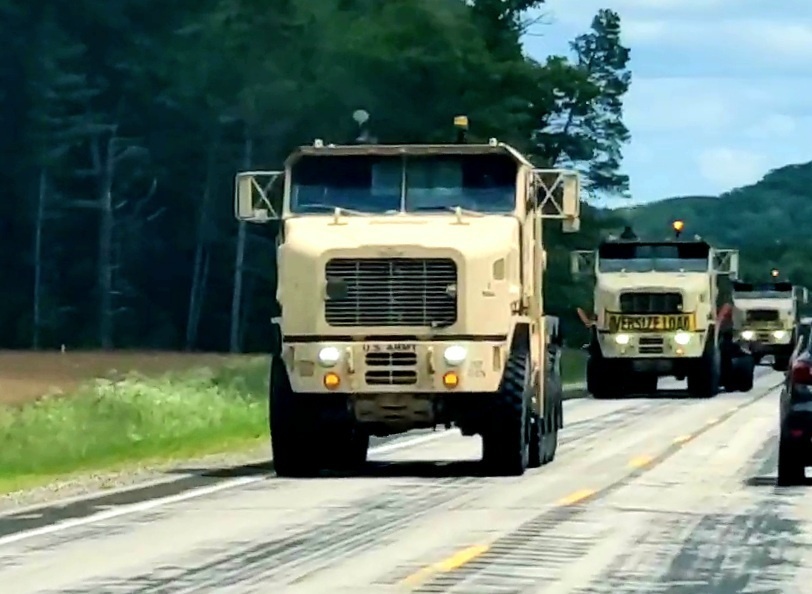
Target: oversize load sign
650, 323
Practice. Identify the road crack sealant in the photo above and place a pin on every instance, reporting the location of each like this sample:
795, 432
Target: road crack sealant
541, 547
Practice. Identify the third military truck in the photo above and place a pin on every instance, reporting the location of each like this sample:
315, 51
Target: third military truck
410, 285
765, 316
658, 312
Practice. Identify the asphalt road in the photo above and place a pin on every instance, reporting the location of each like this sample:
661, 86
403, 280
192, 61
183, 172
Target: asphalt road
646, 495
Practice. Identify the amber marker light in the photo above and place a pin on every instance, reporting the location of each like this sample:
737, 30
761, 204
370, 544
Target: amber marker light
331, 380
678, 227
451, 379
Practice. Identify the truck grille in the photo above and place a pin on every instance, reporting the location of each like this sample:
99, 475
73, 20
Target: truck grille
651, 345
391, 369
393, 292
762, 315
651, 303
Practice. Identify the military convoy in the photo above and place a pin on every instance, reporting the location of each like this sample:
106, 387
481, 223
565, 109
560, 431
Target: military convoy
410, 286
657, 307
766, 317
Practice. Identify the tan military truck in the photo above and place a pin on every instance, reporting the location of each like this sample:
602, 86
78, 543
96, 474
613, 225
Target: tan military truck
410, 287
656, 314
766, 316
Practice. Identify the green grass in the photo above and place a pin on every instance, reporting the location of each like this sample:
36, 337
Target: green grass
573, 366
114, 424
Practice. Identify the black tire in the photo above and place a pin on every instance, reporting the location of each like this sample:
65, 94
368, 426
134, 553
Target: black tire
780, 362
311, 432
506, 439
292, 427
544, 430
790, 465
599, 381
703, 380
743, 372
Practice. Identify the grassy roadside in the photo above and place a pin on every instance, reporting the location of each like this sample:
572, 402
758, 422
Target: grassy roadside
113, 424
108, 424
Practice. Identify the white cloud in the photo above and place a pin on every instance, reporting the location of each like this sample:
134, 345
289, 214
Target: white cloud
767, 40
729, 167
678, 104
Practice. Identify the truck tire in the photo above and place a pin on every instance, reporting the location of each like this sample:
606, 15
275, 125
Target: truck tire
347, 447
293, 427
744, 369
506, 438
703, 380
780, 362
599, 380
544, 430
790, 465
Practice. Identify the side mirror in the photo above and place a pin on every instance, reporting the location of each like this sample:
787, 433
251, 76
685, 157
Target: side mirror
558, 196
257, 196
582, 263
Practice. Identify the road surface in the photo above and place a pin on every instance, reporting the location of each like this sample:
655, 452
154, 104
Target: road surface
646, 495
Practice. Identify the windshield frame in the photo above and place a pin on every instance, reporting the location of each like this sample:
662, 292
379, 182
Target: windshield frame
622, 257
765, 294
402, 202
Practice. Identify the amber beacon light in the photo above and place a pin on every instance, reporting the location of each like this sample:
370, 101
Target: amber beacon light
678, 227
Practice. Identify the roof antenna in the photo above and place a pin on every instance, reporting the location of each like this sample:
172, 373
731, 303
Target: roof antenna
461, 124
361, 117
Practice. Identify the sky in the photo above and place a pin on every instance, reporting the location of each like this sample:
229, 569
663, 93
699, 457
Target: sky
721, 90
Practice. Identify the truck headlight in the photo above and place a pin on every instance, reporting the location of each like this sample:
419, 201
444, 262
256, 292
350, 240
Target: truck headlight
682, 338
779, 334
622, 339
455, 355
329, 356
747, 335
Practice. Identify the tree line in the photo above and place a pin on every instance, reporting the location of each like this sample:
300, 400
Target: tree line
123, 123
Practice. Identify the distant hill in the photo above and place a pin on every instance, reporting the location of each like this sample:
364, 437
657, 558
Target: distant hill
770, 221
764, 212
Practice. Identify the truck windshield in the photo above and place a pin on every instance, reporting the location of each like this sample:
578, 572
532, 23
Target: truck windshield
776, 290
639, 257
378, 185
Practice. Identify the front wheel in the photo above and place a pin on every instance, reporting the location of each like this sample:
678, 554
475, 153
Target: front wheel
505, 440
703, 380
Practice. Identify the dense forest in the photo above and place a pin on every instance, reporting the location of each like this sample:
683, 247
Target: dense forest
123, 123
761, 220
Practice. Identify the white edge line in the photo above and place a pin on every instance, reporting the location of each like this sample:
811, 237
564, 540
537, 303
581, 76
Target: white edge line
150, 504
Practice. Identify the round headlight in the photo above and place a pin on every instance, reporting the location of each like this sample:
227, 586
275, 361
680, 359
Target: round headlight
622, 339
779, 334
455, 355
329, 356
747, 335
682, 338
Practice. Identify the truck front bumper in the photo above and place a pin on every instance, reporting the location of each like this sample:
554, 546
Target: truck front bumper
430, 367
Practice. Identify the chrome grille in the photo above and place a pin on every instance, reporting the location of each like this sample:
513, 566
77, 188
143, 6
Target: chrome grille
762, 315
391, 369
392, 292
651, 303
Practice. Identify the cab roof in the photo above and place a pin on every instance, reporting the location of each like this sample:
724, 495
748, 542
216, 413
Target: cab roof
394, 150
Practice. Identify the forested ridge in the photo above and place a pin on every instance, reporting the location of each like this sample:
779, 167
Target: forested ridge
763, 220
123, 123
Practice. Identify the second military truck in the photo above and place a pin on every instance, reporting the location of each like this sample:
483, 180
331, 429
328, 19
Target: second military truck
655, 315
410, 285
765, 316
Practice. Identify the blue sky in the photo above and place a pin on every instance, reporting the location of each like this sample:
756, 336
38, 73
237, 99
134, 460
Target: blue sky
721, 91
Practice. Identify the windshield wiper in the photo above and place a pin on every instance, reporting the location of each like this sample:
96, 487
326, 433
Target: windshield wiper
339, 210
455, 209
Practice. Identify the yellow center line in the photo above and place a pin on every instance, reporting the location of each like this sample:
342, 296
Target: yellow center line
577, 497
683, 439
451, 563
641, 461
713, 421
